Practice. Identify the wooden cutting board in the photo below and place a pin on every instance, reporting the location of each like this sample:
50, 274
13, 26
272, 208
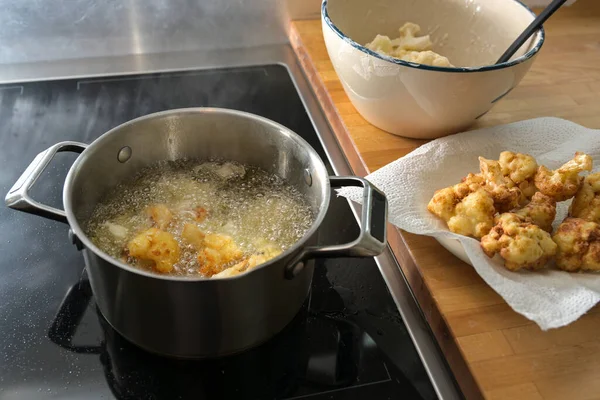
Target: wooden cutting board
494, 352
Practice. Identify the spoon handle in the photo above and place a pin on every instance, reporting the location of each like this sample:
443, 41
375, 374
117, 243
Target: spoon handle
531, 29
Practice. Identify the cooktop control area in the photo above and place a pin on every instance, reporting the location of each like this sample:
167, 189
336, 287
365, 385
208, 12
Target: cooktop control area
348, 341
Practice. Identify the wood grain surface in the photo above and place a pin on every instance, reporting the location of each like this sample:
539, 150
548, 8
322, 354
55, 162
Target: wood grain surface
494, 352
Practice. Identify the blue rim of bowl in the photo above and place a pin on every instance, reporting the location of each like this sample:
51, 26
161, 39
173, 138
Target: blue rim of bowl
506, 64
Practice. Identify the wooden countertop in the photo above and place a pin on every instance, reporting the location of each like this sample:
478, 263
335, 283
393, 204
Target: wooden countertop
494, 352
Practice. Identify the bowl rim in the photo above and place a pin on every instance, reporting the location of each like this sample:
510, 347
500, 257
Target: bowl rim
532, 52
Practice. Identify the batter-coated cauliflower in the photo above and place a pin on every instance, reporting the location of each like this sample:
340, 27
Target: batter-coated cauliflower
160, 215
409, 47
564, 182
409, 39
505, 193
250, 263
218, 253
586, 203
444, 201
474, 215
200, 214
426, 57
473, 181
518, 167
578, 243
520, 243
193, 235
466, 212
156, 246
528, 189
541, 211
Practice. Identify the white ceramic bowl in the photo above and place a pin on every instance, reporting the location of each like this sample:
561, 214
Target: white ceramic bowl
422, 101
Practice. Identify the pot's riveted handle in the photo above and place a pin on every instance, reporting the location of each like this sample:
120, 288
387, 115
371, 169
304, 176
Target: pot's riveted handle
18, 196
372, 238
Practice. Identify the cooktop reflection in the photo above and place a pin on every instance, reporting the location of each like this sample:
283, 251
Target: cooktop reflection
348, 341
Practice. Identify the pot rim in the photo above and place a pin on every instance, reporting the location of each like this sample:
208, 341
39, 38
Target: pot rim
87, 243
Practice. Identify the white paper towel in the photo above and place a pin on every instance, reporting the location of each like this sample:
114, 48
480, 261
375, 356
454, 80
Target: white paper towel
552, 298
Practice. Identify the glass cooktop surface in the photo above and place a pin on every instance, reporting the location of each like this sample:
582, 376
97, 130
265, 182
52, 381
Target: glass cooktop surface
347, 342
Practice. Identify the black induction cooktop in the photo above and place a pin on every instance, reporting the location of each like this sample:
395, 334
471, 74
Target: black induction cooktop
347, 342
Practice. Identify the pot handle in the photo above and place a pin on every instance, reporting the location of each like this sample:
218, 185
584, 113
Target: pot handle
372, 238
18, 196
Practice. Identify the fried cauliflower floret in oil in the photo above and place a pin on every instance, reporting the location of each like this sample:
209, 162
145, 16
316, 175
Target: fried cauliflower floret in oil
520, 243
218, 253
466, 212
541, 211
193, 235
578, 243
157, 246
200, 214
586, 203
160, 214
504, 191
563, 183
243, 266
249, 263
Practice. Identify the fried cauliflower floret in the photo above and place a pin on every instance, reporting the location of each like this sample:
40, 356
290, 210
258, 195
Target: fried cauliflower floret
444, 201
518, 167
474, 215
520, 243
193, 235
160, 214
218, 253
504, 191
243, 266
157, 246
541, 211
528, 189
473, 181
229, 170
466, 211
265, 254
200, 214
586, 203
563, 183
578, 243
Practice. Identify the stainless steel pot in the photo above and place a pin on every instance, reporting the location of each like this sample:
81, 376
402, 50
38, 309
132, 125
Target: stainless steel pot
197, 317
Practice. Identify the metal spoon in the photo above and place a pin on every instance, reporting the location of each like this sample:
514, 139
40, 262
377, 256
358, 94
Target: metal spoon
530, 30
